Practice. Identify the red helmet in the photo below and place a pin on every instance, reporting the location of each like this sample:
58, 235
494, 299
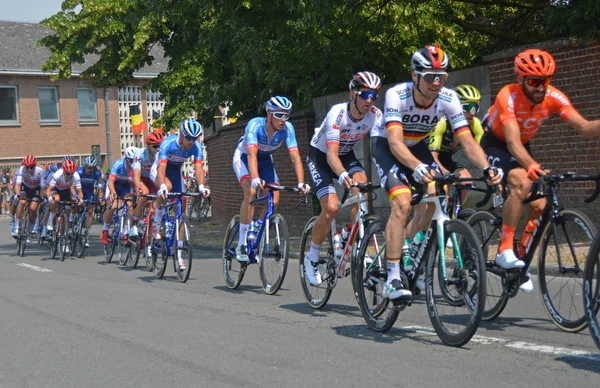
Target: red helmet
29, 161
154, 138
69, 166
534, 63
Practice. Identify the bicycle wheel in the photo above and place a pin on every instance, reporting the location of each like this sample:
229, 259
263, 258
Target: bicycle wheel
123, 241
81, 235
148, 243
186, 251
61, 226
274, 254
160, 258
138, 245
591, 290
317, 296
455, 323
233, 270
488, 229
109, 249
355, 249
465, 214
369, 277
561, 261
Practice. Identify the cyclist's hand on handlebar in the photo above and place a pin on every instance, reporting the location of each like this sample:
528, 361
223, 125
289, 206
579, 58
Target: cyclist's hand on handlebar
345, 179
162, 191
494, 174
258, 183
304, 188
204, 191
535, 171
139, 189
423, 173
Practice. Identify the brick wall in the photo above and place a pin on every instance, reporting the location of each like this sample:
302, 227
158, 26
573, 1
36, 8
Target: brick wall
225, 190
556, 145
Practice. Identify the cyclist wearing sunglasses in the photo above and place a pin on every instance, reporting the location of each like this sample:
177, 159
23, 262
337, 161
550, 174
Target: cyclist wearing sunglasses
65, 185
518, 112
29, 179
442, 143
253, 160
118, 185
401, 153
331, 157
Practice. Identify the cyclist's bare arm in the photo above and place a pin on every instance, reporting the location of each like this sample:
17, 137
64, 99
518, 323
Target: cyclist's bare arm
472, 150
252, 163
298, 167
436, 157
584, 127
161, 173
137, 178
111, 186
399, 149
199, 174
333, 160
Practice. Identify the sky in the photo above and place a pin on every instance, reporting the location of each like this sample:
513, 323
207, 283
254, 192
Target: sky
33, 11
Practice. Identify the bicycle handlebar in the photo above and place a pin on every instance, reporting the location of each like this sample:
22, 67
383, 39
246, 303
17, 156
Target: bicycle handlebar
450, 179
362, 187
566, 177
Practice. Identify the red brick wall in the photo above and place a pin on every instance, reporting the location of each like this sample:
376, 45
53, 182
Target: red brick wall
225, 190
556, 145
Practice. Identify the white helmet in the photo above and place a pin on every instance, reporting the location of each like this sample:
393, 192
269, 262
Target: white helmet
130, 153
91, 161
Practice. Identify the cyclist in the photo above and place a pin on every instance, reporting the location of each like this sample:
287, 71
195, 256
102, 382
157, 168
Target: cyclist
166, 170
90, 181
253, 161
442, 142
29, 179
61, 187
119, 185
142, 164
43, 211
331, 156
518, 112
401, 154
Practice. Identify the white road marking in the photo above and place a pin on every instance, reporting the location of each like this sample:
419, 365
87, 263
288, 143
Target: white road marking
33, 267
527, 346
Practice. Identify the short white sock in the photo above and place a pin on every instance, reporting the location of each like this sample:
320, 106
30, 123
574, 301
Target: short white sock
105, 226
243, 233
393, 269
314, 252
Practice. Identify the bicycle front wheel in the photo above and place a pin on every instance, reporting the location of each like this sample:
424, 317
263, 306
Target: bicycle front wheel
316, 296
274, 254
159, 259
125, 251
185, 251
564, 248
591, 290
463, 277
81, 236
109, 249
233, 270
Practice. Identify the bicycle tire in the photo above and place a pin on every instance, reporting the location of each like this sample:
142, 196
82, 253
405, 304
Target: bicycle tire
566, 314
468, 323
62, 237
159, 259
123, 243
138, 246
233, 270
465, 214
377, 311
186, 251
272, 276
80, 231
355, 248
591, 290
109, 249
324, 289
489, 237
148, 242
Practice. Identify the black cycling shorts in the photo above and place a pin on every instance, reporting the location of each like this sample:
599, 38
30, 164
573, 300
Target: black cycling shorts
33, 194
498, 154
323, 176
447, 160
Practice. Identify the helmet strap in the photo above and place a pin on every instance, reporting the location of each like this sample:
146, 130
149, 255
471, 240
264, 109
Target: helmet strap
416, 85
360, 114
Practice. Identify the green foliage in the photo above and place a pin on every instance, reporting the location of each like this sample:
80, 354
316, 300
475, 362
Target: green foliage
243, 51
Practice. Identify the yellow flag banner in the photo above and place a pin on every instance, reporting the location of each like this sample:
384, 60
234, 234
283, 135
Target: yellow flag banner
137, 120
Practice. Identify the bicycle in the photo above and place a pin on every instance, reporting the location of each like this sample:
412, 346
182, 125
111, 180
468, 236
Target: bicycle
118, 232
198, 208
269, 249
169, 243
80, 230
23, 234
459, 271
561, 254
332, 266
59, 239
143, 244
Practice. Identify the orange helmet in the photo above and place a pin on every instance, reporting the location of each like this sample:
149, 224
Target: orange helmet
534, 63
154, 138
69, 166
29, 161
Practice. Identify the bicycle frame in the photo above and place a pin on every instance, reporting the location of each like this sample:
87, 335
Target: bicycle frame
252, 251
170, 242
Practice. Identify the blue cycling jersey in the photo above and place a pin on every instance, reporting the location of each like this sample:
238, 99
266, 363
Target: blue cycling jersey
171, 152
143, 162
89, 181
121, 173
255, 136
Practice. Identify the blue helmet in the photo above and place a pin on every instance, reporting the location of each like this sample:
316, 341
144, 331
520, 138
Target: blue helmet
52, 168
190, 127
278, 103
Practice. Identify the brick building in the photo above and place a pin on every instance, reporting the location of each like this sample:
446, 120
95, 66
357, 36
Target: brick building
51, 119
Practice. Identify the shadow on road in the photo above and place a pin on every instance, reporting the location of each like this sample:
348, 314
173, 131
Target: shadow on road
303, 308
582, 363
500, 323
392, 336
242, 289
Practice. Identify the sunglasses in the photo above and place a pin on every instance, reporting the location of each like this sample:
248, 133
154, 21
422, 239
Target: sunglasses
68, 173
191, 138
366, 94
155, 146
281, 115
470, 108
30, 167
536, 82
432, 77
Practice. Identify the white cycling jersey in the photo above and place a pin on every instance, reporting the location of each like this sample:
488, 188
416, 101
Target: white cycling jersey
61, 182
416, 122
340, 128
32, 181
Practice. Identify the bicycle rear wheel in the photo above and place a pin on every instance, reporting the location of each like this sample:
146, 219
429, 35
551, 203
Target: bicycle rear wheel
488, 229
109, 249
138, 246
274, 254
564, 248
316, 296
80, 232
591, 290
186, 251
125, 250
233, 270
456, 323
369, 276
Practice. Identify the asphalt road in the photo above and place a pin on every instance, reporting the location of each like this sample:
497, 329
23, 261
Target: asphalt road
84, 323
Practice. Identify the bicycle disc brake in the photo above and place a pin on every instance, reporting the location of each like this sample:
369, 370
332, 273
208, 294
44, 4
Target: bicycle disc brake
331, 272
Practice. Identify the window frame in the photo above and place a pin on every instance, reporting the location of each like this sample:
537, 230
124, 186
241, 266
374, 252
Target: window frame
16, 107
86, 120
49, 121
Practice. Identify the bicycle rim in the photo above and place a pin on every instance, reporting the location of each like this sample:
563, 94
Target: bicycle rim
560, 285
159, 260
186, 251
316, 296
274, 254
233, 270
591, 290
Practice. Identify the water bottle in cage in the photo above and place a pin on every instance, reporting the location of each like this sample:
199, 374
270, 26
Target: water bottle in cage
338, 250
345, 234
168, 229
251, 233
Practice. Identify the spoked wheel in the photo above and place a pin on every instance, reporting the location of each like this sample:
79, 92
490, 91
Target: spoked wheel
160, 257
82, 239
274, 254
53, 242
564, 248
23, 235
455, 323
369, 277
233, 270
146, 252
186, 251
138, 246
316, 296
109, 249
488, 229
591, 290
63, 241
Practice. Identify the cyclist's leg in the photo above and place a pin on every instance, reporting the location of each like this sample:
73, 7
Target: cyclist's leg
358, 173
33, 212
266, 172
138, 210
19, 212
240, 166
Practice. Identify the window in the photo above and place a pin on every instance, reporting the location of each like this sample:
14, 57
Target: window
86, 101
48, 97
9, 109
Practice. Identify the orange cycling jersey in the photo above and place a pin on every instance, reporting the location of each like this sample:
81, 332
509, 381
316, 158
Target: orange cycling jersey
512, 105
